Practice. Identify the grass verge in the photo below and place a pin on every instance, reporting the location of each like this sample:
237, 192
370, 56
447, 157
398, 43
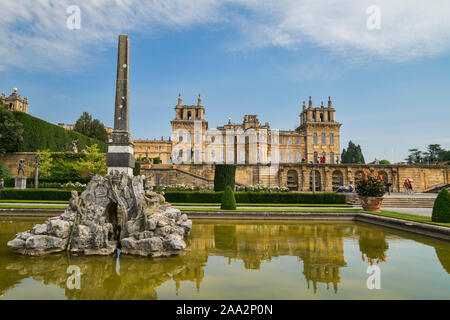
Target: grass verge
264, 204
407, 216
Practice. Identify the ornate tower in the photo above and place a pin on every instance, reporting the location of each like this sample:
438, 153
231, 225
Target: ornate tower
121, 148
15, 102
322, 132
188, 129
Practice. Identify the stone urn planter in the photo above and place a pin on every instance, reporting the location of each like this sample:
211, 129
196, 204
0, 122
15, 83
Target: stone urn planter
371, 203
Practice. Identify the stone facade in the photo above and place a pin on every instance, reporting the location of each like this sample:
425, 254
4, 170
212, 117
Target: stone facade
298, 177
316, 138
15, 102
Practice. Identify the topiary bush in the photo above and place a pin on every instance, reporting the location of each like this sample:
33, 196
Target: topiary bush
228, 200
441, 208
224, 175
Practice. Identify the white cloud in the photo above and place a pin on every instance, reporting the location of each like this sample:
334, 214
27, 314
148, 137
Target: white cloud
33, 33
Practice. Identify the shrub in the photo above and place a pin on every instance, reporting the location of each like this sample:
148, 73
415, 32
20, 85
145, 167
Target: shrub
41, 135
224, 175
256, 197
137, 169
5, 172
228, 200
35, 194
176, 187
441, 208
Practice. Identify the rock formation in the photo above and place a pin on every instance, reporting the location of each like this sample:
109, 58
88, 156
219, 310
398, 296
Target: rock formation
115, 211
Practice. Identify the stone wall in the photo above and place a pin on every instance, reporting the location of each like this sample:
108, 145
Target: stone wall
298, 177
12, 161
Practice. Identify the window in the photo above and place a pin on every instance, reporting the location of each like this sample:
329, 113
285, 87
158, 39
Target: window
213, 156
297, 141
197, 137
290, 157
298, 157
197, 158
180, 136
331, 138
332, 157
213, 139
289, 141
188, 138
241, 156
323, 138
281, 156
281, 141
316, 160
230, 157
221, 155
315, 138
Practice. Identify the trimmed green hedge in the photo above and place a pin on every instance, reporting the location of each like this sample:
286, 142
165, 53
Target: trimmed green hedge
224, 175
255, 197
30, 181
35, 194
441, 207
228, 200
41, 135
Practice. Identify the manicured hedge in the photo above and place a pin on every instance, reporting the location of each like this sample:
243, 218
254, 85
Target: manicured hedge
224, 175
256, 197
9, 183
228, 200
441, 207
35, 194
41, 135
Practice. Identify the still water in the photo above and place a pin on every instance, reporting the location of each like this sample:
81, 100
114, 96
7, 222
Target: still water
242, 260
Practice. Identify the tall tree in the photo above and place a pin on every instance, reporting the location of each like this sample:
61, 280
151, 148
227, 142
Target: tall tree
353, 154
11, 131
415, 156
91, 128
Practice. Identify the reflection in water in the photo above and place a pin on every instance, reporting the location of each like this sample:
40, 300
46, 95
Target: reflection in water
319, 247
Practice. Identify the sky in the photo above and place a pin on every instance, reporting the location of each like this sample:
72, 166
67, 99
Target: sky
386, 64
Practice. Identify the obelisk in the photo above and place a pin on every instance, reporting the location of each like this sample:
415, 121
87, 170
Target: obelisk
120, 154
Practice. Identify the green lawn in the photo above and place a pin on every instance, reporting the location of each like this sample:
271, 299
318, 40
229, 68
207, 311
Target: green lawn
272, 210
264, 204
407, 216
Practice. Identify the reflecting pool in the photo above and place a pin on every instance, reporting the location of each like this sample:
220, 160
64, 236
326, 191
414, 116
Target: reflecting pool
242, 260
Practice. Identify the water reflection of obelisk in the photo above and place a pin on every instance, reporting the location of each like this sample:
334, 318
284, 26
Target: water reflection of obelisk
120, 154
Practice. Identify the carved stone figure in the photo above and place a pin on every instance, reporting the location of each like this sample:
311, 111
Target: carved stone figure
21, 167
115, 211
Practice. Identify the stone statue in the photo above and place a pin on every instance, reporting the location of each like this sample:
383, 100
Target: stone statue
74, 146
21, 167
348, 188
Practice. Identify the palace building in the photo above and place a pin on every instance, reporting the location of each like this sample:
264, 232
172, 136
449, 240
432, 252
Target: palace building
15, 102
316, 139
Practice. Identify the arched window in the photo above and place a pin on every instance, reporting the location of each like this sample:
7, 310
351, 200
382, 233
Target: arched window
315, 138
189, 115
323, 138
331, 138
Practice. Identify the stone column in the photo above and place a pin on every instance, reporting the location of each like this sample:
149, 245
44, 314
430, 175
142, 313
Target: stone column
120, 154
